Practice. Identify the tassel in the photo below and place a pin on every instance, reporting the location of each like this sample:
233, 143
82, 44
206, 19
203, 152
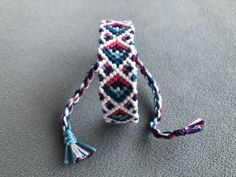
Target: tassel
76, 149
194, 127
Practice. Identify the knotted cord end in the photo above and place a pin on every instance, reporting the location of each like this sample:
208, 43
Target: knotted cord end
76, 149
194, 127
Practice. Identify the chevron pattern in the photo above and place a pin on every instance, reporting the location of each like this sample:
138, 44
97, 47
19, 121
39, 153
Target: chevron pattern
117, 72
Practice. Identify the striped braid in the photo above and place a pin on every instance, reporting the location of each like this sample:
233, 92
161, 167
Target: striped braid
194, 127
78, 150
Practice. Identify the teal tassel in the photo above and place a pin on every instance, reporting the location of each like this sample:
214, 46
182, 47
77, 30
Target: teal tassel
76, 149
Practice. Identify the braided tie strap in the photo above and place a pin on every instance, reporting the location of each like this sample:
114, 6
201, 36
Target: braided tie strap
73, 147
194, 127
117, 67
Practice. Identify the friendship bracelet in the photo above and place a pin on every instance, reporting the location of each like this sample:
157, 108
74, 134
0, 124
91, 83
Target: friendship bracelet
117, 67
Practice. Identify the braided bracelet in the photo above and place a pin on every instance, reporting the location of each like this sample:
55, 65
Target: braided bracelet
117, 71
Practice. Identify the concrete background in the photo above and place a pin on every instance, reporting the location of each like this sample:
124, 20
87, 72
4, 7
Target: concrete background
46, 47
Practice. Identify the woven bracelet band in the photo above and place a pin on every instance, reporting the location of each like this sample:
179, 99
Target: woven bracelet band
117, 67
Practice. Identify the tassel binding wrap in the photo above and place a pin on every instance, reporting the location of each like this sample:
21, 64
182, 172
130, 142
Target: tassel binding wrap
117, 67
76, 149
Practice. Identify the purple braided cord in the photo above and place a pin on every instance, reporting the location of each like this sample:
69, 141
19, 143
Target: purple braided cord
194, 127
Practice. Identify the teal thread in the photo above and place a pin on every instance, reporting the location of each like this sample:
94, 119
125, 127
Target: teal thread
87, 146
69, 138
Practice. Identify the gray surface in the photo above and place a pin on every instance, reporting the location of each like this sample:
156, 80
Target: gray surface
46, 47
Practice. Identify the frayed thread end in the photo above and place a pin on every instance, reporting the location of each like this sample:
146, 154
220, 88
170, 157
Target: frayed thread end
194, 127
77, 150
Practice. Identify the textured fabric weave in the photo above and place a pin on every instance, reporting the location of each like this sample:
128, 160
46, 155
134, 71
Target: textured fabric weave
117, 72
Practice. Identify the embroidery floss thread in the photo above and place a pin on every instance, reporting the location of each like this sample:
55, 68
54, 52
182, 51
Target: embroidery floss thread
117, 71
